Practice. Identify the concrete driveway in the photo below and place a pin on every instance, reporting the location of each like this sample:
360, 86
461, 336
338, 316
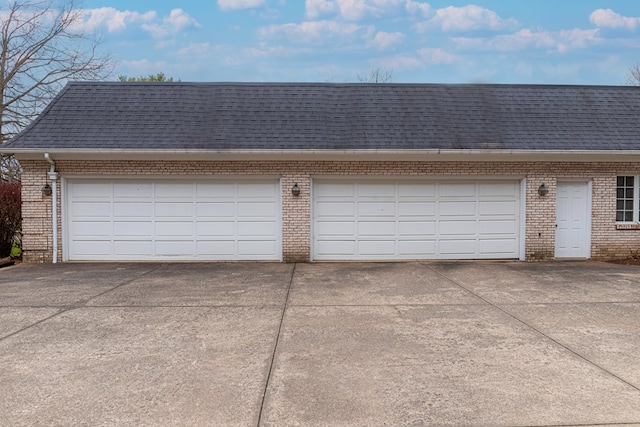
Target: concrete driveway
344, 344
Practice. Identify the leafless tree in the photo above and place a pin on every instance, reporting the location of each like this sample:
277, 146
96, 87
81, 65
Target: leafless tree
43, 46
377, 75
633, 78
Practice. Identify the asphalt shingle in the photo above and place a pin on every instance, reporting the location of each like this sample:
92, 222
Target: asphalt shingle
273, 116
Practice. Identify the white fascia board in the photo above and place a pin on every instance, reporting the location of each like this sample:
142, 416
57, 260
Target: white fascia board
335, 155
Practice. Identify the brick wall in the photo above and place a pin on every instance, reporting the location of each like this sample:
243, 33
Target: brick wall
606, 241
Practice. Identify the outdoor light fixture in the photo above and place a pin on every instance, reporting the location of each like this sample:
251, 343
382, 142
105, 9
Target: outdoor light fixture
295, 190
543, 190
46, 190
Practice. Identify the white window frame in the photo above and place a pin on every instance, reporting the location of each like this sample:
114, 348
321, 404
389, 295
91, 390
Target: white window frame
636, 199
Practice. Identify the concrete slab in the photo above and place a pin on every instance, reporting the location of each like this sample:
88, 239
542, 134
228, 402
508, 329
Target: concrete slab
47, 285
608, 334
13, 319
374, 284
433, 365
559, 282
139, 366
212, 284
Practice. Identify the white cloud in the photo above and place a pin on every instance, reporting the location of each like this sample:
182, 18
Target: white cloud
416, 6
607, 18
383, 40
239, 4
524, 39
433, 55
352, 10
315, 31
467, 18
177, 21
113, 19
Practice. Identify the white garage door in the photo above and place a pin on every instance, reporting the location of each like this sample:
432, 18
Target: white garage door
174, 220
372, 220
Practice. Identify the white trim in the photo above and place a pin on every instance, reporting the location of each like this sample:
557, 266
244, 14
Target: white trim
425, 155
523, 219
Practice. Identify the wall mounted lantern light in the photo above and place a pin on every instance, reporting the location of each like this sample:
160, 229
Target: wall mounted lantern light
295, 190
543, 190
46, 190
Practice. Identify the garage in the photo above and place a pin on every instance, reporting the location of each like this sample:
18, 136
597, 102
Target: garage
370, 219
162, 219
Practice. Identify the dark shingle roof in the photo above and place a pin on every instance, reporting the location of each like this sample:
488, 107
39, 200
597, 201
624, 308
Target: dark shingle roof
241, 116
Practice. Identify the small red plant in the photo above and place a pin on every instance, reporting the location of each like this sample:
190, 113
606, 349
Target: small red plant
10, 215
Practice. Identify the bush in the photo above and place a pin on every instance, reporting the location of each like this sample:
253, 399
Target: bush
10, 216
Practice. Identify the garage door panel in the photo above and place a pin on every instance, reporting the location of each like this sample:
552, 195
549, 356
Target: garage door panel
256, 209
417, 191
91, 209
131, 190
126, 248
507, 189
457, 247
175, 228
144, 220
336, 247
173, 210
216, 248
376, 228
217, 228
417, 248
174, 190
457, 209
175, 248
336, 228
507, 208
376, 247
457, 228
376, 209
437, 220
257, 248
497, 246
457, 190
416, 209
132, 209
256, 228
216, 209
498, 227
92, 247
92, 229
376, 191
128, 228
86, 190
212, 191
335, 209
417, 228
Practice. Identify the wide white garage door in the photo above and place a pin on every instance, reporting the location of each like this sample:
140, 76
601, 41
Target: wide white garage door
172, 220
373, 220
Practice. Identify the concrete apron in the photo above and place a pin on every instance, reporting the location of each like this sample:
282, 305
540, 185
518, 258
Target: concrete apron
432, 343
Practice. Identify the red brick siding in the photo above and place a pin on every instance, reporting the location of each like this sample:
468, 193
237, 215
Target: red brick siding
606, 241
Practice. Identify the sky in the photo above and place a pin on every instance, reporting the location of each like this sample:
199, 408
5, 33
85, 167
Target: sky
592, 42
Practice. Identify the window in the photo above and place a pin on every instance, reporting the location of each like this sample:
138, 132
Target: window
627, 195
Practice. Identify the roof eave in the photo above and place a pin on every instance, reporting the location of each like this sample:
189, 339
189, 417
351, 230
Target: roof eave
331, 155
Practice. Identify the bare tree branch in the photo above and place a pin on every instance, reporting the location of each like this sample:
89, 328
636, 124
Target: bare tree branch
633, 78
377, 75
42, 48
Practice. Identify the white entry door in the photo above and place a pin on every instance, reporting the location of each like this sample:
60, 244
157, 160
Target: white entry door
573, 212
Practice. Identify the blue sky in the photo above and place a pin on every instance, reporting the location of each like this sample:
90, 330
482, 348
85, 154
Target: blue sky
487, 41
